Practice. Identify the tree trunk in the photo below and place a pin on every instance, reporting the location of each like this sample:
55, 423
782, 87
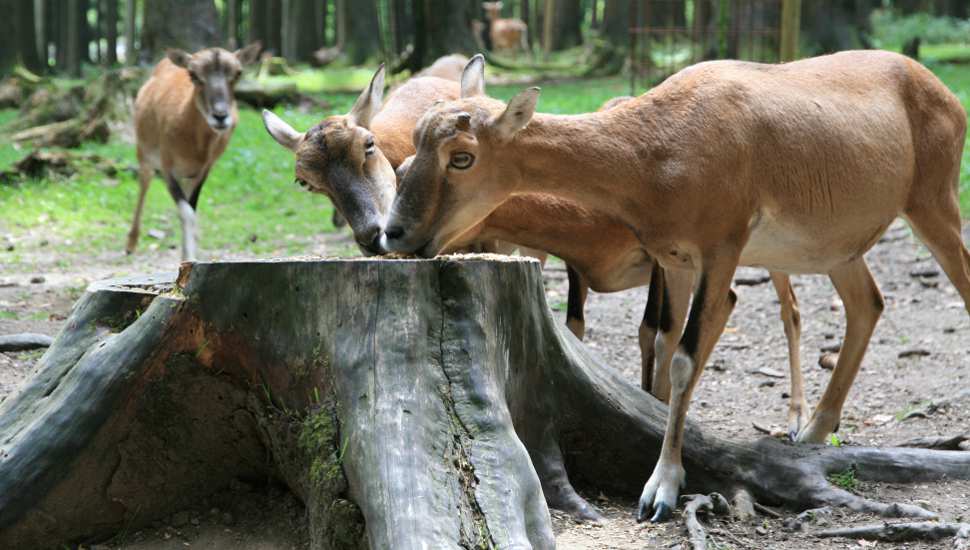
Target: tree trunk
257, 21
26, 35
186, 24
232, 24
8, 26
302, 36
361, 30
439, 31
72, 54
408, 403
616, 22
274, 27
111, 31
130, 54
567, 33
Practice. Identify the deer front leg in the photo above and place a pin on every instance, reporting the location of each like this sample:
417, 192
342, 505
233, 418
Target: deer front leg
576, 303
713, 302
677, 286
798, 410
186, 216
863, 306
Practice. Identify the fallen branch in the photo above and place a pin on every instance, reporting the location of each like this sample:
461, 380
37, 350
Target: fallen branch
934, 406
24, 341
901, 532
943, 442
713, 503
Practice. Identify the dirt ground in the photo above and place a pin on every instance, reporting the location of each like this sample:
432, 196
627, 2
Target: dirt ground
924, 322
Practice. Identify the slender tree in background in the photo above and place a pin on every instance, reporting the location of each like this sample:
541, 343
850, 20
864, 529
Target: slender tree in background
362, 38
8, 26
26, 34
274, 27
301, 29
111, 31
186, 24
567, 32
616, 22
130, 55
439, 31
548, 20
257, 21
232, 24
72, 54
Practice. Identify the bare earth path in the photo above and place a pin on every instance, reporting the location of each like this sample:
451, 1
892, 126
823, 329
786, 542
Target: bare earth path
924, 321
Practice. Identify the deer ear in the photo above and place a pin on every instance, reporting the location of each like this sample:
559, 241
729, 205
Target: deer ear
473, 77
250, 53
370, 100
517, 114
283, 133
181, 58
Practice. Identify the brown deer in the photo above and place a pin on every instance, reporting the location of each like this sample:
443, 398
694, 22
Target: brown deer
184, 116
798, 167
506, 34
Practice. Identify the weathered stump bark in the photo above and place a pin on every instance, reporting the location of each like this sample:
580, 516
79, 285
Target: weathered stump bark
408, 403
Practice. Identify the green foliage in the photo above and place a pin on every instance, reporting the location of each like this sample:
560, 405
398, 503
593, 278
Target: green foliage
845, 479
317, 439
890, 31
835, 440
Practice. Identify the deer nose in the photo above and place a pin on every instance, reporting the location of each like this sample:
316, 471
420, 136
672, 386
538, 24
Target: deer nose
370, 239
394, 232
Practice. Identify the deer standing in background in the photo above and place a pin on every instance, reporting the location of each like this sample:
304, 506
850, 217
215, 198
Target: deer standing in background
798, 167
184, 116
506, 34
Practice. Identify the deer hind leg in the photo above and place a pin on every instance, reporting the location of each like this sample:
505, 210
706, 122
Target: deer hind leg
186, 216
798, 410
576, 303
713, 302
676, 290
863, 306
939, 228
650, 327
145, 173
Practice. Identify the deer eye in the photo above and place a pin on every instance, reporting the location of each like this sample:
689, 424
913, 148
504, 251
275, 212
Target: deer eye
369, 146
461, 161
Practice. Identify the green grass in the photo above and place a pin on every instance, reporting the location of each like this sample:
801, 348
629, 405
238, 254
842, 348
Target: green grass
250, 191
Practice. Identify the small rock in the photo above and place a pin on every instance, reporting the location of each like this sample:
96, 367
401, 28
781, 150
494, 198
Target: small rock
38, 279
828, 361
878, 420
156, 234
195, 521
771, 373
925, 273
179, 519
228, 519
949, 330
792, 524
767, 384
831, 348
761, 530
914, 352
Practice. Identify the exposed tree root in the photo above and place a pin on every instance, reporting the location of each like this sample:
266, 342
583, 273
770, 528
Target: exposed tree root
24, 341
900, 532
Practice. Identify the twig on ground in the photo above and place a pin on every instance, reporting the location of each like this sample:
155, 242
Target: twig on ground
714, 503
766, 511
899, 532
934, 406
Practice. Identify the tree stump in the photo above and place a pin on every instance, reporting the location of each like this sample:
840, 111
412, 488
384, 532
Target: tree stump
408, 403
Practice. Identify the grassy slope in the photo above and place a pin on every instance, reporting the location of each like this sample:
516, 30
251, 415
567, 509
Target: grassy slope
250, 192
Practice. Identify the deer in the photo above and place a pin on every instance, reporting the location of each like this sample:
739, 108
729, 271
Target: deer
506, 34
797, 167
185, 114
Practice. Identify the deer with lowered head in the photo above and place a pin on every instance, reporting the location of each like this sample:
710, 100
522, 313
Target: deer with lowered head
799, 168
184, 116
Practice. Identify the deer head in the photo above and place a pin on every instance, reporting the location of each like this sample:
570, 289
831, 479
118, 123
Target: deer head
456, 176
339, 158
214, 73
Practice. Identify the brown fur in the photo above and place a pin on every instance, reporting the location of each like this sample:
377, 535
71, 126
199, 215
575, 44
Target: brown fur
797, 167
506, 34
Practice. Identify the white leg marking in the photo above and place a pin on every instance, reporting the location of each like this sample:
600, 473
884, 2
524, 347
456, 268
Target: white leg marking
187, 215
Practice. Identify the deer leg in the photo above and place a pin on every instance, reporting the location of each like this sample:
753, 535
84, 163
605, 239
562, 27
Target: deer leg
713, 302
939, 228
145, 173
792, 320
863, 306
576, 303
677, 286
187, 217
650, 327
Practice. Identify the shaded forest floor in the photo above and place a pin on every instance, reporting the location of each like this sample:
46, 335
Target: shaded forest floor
923, 315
